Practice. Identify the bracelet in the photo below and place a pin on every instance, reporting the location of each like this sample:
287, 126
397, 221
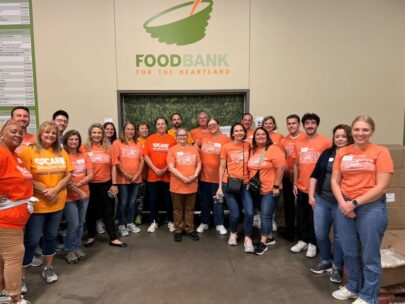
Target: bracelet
114, 185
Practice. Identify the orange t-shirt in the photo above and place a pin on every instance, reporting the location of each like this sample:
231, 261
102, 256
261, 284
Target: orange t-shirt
129, 157
308, 151
101, 161
173, 132
28, 139
272, 159
16, 184
237, 157
288, 145
185, 160
49, 169
144, 174
198, 133
359, 168
80, 163
276, 138
249, 136
210, 152
156, 148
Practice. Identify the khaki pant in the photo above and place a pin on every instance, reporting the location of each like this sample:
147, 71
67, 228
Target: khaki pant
183, 211
11, 257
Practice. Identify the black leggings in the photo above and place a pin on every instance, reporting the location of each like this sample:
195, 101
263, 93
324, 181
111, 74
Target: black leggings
99, 200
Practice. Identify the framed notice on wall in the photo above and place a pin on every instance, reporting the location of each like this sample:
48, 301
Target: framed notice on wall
17, 61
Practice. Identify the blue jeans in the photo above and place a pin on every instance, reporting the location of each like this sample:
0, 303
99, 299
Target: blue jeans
45, 225
268, 207
361, 239
233, 201
126, 204
75, 214
207, 191
324, 217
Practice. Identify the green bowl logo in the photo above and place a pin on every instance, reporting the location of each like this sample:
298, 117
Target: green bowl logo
177, 26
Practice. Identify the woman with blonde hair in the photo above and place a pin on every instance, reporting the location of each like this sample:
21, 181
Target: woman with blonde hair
103, 185
51, 170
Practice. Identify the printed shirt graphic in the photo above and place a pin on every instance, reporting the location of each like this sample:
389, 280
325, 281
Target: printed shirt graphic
360, 166
15, 184
308, 152
236, 161
80, 163
272, 159
210, 157
185, 159
49, 169
288, 144
101, 161
128, 156
156, 148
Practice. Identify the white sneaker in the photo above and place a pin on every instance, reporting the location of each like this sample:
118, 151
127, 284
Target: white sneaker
133, 228
256, 221
202, 228
122, 230
221, 229
170, 225
4, 297
100, 227
49, 275
24, 288
300, 246
249, 248
153, 227
23, 301
311, 251
233, 240
36, 262
274, 225
344, 294
359, 301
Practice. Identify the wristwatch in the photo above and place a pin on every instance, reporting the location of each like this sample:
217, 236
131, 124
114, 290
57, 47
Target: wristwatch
355, 203
276, 186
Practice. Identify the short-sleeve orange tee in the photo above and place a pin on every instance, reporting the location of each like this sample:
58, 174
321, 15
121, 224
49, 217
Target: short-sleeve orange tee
198, 133
28, 139
185, 159
129, 157
268, 163
210, 156
48, 168
359, 168
237, 157
276, 138
308, 151
101, 161
288, 145
80, 163
156, 148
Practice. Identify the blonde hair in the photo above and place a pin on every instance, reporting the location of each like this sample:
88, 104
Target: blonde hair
104, 141
42, 128
366, 119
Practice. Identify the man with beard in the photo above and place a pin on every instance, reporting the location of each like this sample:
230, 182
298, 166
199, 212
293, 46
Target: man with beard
177, 122
307, 152
22, 116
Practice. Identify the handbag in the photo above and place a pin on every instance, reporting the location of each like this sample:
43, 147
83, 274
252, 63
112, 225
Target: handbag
255, 184
235, 184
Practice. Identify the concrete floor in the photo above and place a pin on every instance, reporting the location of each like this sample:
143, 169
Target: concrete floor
156, 270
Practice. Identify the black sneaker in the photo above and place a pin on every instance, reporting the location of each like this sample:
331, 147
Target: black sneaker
336, 276
321, 268
270, 241
178, 237
261, 248
193, 236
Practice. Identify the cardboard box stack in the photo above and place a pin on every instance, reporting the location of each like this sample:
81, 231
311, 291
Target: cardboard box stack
395, 235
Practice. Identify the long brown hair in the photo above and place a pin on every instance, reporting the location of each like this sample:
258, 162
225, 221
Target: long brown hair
104, 141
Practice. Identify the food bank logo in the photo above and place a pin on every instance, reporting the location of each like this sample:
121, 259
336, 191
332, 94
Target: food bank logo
182, 24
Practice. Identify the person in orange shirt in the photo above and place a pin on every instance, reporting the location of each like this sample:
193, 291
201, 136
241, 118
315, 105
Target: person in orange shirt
51, 169
234, 159
77, 198
198, 133
210, 150
247, 122
143, 133
288, 145
128, 158
184, 163
103, 186
361, 175
307, 152
22, 116
15, 192
269, 160
177, 122
155, 152
270, 125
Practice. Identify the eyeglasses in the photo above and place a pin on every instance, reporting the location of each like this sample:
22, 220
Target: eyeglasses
182, 135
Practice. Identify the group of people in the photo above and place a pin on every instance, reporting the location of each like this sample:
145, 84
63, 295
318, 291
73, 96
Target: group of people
339, 183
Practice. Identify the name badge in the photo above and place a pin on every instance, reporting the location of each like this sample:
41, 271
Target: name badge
348, 157
180, 153
217, 145
304, 149
331, 159
80, 161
